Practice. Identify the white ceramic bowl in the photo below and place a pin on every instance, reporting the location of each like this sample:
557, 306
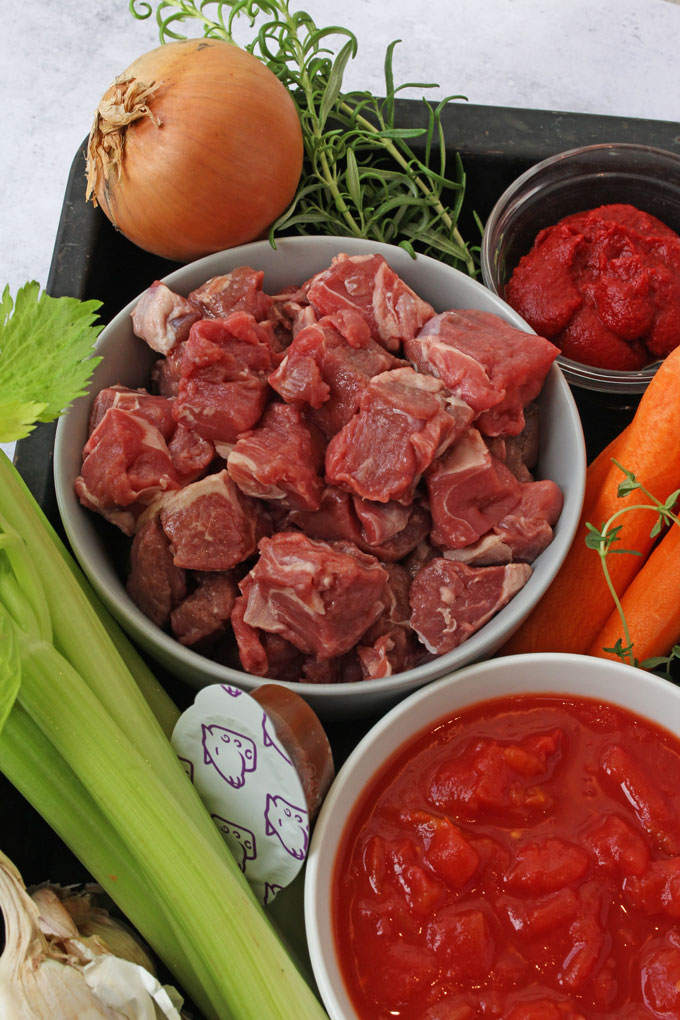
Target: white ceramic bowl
603, 680
127, 360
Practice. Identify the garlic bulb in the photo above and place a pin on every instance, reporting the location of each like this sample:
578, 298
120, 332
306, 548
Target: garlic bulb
55, 973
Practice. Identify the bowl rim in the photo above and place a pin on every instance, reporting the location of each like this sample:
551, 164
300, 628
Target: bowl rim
382, 688
354, 775
578, 373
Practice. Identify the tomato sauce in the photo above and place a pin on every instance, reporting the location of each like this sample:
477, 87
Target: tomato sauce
604, 286
520, 861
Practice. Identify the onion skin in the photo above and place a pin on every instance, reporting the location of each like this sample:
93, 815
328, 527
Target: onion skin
215, 161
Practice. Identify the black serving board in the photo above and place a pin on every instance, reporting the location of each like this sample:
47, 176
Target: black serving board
92, 260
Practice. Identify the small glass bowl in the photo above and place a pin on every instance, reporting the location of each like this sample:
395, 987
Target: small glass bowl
570, 182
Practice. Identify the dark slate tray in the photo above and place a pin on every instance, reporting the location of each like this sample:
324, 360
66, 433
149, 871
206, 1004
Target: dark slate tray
91, 260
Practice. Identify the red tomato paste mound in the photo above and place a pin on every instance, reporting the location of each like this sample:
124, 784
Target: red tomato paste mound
604, 286
520, 861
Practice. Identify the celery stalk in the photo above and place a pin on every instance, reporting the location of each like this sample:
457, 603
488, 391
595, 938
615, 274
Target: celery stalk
81, 636
211, 909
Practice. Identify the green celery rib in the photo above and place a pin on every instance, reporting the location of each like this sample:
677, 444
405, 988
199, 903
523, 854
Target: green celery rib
212, 911
37, 770
20, 509
79, 625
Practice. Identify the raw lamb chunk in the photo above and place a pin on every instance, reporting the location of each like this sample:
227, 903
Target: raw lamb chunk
470, 491
210, 523
327, 367
402, 425
320, 596
223, 387
162, 318
522, 534
281, 459
494, 367
126, 464
237, 291
519, 453
390, 645
366, 283
166, 372
191, 454
338, 518
527, 529
154, 583
450, 601
156, 409
203, 614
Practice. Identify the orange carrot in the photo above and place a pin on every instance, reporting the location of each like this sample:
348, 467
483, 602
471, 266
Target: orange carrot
578, 602
651, 605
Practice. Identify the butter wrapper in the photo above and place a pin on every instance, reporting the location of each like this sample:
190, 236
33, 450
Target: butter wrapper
244, 776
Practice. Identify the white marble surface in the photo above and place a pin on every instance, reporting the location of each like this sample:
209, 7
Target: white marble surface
615, 57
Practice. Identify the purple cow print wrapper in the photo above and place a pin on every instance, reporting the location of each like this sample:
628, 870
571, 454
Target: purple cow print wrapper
230, 750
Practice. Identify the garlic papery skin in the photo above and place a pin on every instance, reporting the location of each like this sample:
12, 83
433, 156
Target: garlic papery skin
67, 915
66, 980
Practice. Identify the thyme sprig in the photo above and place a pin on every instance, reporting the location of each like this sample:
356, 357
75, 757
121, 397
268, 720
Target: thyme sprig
604, 541
361, 177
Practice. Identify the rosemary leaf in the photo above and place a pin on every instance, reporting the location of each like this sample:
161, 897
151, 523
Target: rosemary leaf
360, 177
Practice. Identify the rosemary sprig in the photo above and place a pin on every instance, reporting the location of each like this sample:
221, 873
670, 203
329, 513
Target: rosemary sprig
604, 542
361, 177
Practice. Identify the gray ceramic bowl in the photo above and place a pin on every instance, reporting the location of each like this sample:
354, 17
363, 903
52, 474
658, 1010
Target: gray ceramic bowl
127, 360
570, 182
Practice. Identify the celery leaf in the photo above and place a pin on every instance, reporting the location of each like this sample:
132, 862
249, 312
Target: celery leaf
45, 357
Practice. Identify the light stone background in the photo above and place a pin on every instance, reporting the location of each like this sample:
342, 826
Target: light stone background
57, 57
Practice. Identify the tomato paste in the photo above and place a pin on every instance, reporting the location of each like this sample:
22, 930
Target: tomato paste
604, 286
520, 861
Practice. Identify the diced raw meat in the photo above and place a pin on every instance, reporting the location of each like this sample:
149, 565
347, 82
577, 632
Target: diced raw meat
237, 291
528, 529
492, 366
204, 613
337, 519
390, 646
367, 284
402, 425
470, 491
519, 453
322, 597
488, 551
166, 372
251, 650
327, 367
451, 601
223, 389
280, 459
191, 454
210, 523
156, 409
125, 462
154, 583
162, 318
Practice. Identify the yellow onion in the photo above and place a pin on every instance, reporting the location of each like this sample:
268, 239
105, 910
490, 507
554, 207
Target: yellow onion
196, 147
